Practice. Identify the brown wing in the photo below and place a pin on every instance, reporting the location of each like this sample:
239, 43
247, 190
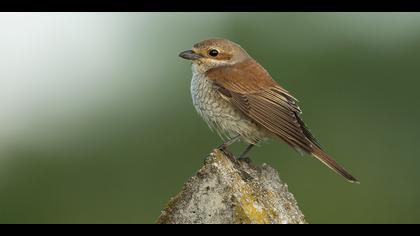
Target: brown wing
252, 91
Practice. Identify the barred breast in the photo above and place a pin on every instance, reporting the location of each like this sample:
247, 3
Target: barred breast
219, 114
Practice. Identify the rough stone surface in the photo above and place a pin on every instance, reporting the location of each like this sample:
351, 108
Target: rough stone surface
229, 191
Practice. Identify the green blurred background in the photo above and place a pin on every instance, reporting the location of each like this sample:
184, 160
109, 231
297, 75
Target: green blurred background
97, 123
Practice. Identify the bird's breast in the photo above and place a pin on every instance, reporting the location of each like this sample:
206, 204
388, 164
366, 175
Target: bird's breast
219, 113
207, 100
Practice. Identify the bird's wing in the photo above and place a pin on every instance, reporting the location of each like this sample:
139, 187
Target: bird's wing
250, 88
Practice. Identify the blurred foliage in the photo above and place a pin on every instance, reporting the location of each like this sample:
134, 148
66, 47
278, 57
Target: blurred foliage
97, 124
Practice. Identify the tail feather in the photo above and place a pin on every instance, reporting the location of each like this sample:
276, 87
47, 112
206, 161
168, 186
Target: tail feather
328, 161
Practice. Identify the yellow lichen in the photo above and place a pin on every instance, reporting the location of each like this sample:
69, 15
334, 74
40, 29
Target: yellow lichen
249, 210
248, 213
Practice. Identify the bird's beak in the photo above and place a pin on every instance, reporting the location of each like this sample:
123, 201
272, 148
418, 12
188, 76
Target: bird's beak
190, 55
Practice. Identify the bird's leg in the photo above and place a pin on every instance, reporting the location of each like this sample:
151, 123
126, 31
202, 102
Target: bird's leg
243, 157
226, 144
223, 148
229, 142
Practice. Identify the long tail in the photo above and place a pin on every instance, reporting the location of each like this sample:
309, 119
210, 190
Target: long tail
328, 161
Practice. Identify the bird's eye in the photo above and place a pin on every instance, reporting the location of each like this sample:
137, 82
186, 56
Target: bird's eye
213, 52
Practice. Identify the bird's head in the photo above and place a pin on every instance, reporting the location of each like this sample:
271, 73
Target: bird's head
213, 53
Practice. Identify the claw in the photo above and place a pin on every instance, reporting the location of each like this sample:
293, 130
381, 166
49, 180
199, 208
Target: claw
245, 159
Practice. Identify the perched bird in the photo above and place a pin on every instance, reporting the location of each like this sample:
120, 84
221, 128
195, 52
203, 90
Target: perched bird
238, 99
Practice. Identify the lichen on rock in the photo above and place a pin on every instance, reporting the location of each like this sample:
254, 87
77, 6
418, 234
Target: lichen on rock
228, 191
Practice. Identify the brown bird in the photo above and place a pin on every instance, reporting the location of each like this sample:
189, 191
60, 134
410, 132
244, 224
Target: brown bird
238, 99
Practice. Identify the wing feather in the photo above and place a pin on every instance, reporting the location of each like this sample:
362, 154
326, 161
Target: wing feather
253, 92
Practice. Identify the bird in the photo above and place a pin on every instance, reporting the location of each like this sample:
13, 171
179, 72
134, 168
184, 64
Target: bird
240, 100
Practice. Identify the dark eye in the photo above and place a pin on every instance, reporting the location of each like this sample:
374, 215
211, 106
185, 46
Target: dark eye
213, 52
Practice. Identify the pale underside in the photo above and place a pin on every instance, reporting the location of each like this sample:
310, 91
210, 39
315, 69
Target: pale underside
221, 115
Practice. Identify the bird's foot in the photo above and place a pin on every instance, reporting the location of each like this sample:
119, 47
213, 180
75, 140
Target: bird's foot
244, 159
229, 154
222, 147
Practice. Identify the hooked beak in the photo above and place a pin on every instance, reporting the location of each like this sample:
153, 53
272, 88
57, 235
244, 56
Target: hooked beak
190, 55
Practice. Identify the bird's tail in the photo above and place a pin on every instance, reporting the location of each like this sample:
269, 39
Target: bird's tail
328, 161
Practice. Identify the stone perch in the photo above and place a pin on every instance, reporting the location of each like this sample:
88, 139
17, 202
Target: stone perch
228, 191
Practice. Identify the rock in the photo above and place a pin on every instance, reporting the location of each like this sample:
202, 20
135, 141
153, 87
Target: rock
228, 191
